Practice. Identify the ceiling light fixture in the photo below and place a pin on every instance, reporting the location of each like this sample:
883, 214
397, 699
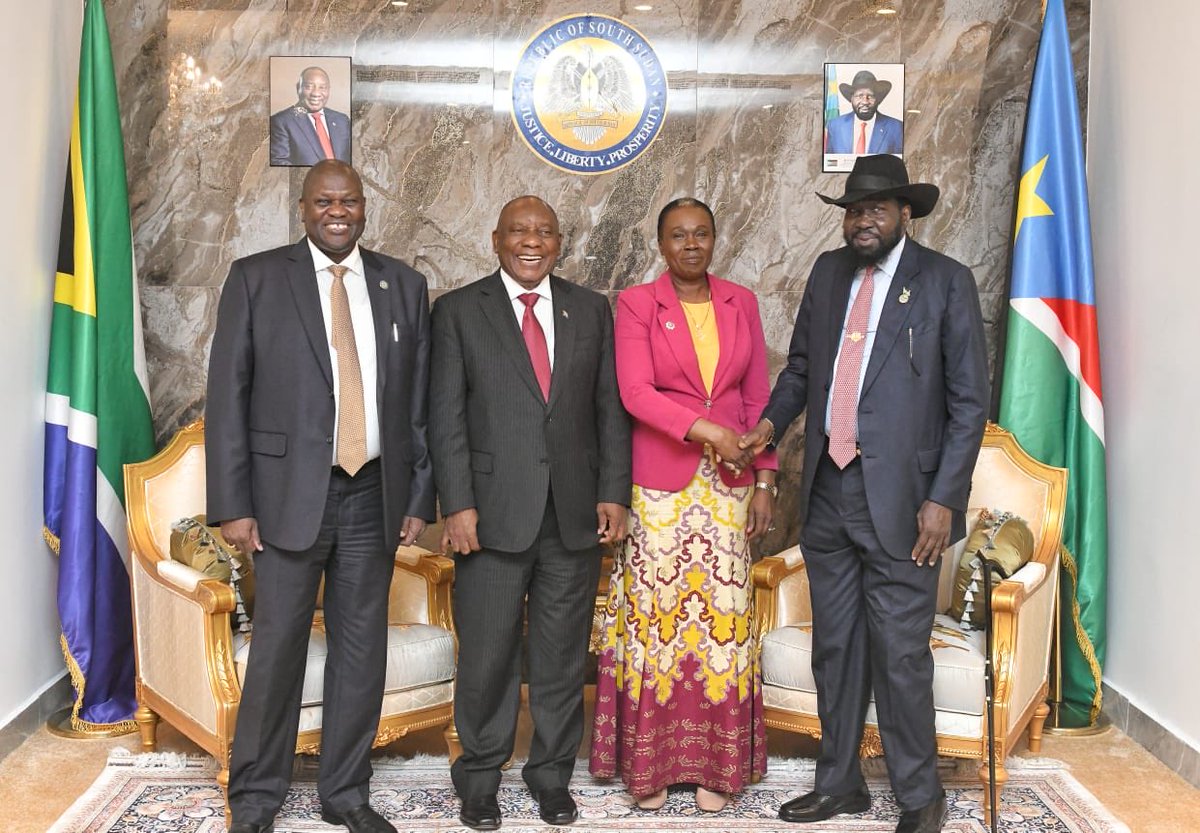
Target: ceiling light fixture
643, 7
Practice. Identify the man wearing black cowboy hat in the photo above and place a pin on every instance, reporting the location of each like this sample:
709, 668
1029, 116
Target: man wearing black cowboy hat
864, 129
888, 359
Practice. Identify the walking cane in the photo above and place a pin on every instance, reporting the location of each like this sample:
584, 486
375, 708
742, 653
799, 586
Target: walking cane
989, 678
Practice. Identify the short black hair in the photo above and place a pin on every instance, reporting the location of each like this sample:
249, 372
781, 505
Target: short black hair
684, 202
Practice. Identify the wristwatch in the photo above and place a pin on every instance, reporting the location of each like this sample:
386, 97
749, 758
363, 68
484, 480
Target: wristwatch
768, 487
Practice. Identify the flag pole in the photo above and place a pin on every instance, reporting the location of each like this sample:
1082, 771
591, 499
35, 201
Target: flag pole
1053, 722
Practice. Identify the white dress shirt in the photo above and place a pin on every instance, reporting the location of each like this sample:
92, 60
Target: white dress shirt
543, 310
363, 323
882, 280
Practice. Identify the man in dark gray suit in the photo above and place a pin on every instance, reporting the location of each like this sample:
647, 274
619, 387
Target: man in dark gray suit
531, 454
317, 462
888, 359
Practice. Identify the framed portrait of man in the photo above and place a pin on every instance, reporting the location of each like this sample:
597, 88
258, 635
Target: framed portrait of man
310, 109
864, 113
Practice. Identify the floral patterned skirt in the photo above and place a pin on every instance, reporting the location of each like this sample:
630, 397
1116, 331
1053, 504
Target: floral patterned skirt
679, 689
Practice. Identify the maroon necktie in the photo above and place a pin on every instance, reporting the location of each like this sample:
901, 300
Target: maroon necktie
535, 343
843, 412
323, 135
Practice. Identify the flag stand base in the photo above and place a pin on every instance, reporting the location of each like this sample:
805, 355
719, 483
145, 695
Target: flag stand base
59, 725
1102, 725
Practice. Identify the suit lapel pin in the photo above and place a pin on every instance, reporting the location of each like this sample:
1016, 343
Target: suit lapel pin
670, 325
383, 285
905, 293
564, 312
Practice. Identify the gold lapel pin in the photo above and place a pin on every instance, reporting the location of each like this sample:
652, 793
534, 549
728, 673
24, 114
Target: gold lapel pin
383, 284
904, 295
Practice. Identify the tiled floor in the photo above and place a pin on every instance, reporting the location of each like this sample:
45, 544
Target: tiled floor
46, 773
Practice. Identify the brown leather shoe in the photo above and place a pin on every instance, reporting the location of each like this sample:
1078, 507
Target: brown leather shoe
815, 806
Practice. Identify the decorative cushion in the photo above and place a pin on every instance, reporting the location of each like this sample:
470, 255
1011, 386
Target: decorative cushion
203, 548
1005, 539
417, 655
957, 656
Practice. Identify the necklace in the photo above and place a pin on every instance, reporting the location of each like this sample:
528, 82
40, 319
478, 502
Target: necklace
698, 328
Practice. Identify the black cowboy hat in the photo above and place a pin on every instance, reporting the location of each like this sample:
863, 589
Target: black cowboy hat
866, 79
881, 176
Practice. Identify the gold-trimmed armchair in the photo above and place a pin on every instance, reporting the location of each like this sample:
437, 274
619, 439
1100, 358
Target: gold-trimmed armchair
1024, 606
190, 662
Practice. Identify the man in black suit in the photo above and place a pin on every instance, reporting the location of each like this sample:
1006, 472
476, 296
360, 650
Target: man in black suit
532, 459
888, 359
308, 131
317, 462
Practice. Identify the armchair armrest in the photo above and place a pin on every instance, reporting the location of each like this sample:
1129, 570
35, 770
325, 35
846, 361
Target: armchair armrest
781, 594
420, 590
212, 595
1023, 622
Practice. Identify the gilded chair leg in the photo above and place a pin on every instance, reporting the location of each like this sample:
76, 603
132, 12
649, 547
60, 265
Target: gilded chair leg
223, 783
453, 746
1036, 724
147, 723
1001, 779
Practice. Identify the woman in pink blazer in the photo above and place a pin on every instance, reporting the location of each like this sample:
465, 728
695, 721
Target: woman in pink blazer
678, 696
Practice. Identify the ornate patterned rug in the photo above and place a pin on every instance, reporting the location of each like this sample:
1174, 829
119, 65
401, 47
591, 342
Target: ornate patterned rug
177, 794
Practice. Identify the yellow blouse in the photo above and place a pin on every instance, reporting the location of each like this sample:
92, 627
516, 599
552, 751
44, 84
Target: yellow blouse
702, 324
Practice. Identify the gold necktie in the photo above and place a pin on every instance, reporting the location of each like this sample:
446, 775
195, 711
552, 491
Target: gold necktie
352, 420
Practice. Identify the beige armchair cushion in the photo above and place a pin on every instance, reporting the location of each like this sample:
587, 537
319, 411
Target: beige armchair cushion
957, 676
417, 655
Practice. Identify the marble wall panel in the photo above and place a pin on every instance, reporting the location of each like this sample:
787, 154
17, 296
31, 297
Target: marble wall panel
439, 154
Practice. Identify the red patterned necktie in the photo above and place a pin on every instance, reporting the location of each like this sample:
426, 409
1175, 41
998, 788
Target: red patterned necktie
323, 134
535, 343
861, 145
843, 416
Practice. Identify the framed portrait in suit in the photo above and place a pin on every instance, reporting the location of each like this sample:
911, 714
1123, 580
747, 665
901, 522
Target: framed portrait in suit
864, 113
310, 109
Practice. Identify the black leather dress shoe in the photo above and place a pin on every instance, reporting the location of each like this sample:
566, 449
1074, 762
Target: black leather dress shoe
815, 806
556, 806
247, 827
480, 813
361, 819
928, 819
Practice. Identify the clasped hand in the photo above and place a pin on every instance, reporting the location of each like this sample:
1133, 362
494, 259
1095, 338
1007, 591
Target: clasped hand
724, 443
755, 440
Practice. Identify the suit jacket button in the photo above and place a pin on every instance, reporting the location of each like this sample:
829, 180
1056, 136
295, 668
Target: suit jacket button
329, 440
